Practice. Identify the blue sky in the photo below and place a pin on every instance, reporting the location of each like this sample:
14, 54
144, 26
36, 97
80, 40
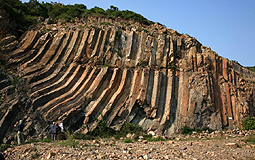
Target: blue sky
227, 26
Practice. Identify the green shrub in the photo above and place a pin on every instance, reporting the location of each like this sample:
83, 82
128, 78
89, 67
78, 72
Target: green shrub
66, 17
108, 65
145, 30
126, 14
177, 33
127, 140
129, 128
235, 61
165, 32
70, 141
147, 136
187, 130
142, 63
155, 139
102, 130
172, 65
249, 123
250, 139
98, 11
160, 24
161, 67
45, 140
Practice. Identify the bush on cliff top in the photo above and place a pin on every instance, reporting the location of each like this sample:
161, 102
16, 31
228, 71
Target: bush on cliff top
28, 13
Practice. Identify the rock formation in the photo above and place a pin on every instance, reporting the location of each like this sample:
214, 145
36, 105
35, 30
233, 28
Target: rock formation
119, 71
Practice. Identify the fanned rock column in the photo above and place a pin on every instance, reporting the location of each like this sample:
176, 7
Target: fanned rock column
124, 72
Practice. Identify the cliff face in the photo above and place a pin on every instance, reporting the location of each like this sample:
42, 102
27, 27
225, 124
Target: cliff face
122, 72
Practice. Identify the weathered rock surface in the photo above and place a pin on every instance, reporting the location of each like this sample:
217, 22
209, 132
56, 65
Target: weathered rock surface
121, 72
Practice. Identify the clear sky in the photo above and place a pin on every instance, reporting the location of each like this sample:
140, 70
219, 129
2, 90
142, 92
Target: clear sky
227, 26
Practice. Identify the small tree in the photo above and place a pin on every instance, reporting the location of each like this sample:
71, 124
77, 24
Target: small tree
114, 8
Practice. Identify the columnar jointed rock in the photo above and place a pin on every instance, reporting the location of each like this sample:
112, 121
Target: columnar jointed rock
123, 73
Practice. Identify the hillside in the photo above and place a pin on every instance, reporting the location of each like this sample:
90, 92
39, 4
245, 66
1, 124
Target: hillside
121, 71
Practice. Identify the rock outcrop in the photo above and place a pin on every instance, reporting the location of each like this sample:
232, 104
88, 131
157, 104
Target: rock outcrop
120, 71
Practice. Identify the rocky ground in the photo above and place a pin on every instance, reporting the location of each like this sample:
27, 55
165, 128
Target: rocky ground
196, 146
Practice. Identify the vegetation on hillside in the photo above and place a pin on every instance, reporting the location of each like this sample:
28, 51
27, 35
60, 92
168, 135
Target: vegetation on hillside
22, 15
251, 68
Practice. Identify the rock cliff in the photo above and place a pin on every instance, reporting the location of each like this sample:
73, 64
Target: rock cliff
120, 71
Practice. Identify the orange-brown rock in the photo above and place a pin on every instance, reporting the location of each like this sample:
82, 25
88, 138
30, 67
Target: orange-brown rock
123, 72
